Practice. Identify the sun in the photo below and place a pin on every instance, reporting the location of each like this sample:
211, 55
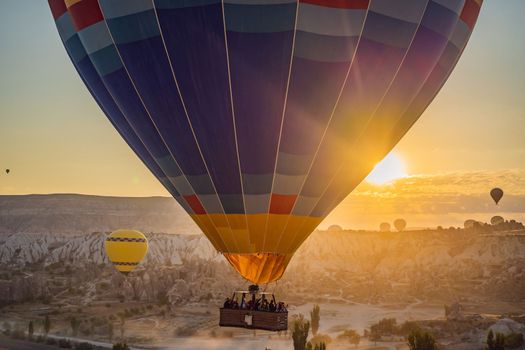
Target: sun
390, 168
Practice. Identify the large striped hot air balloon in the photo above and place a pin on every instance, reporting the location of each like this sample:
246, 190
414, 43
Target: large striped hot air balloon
260, 116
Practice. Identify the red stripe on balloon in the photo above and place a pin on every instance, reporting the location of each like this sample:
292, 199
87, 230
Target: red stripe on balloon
58, 8
195, 204
282, 204
470, 13
85, 13
342, 4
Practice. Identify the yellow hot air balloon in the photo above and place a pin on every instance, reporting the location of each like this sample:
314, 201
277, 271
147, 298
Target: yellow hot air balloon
126, 249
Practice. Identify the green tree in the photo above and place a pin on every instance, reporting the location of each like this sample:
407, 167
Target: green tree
122, 325
120, 346
30, 330
495, 342
74, 325
386, 326
47, 325
84, 346
110, 330
374, 336
300, 333
315, 317
513, 340
490, 340
418, 340
320, 346
407, 327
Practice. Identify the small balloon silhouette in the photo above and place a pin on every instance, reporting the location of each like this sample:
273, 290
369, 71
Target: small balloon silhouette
496, 194
496, 220
400, 224
7, 171
384, 227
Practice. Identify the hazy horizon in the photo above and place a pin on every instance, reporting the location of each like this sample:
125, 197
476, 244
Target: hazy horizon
422, 200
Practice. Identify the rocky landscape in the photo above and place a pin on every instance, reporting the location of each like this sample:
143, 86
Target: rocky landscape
361, 266
358, 277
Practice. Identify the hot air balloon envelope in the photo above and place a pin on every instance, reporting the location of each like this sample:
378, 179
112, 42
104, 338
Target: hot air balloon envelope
400, 224
259, 117
126, 249
496, 194
384, 227
496, 220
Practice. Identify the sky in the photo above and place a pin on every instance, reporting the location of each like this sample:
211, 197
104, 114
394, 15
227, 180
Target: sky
55, 139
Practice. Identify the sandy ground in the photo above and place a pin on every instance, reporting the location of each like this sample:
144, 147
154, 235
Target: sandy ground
335, 317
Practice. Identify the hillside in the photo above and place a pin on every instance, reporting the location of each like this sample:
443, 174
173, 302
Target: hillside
70, 214
37, 232
340, 266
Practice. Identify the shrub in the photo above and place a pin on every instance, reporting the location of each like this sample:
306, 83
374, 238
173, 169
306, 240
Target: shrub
51, 341
418, 340
40, 339
513, 340
18, 333
64, 343
84, 346
350, 336
408, 327
320, 338
495, 343
120, 346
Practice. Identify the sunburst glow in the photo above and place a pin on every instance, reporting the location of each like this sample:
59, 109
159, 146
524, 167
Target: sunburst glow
389, 169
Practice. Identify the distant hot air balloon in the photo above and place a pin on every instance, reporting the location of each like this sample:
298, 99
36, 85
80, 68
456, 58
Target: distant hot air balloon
384, 227
335, 228
260, 117
7, 171
468, 224
400, 224
126, 249
496, 220
496, 194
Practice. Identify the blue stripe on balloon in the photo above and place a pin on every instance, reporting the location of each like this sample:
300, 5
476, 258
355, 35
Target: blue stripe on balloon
107, 60
259, 66
247, 18
440, 19
75, 49
388, 30
175, 4
312, 95
113, 9
134, 27
65, 26
124, 94
196, 45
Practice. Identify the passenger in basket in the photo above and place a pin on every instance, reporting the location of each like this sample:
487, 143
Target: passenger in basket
227, 303
272, 306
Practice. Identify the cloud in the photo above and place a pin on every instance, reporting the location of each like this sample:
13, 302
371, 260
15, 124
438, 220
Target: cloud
431, 200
